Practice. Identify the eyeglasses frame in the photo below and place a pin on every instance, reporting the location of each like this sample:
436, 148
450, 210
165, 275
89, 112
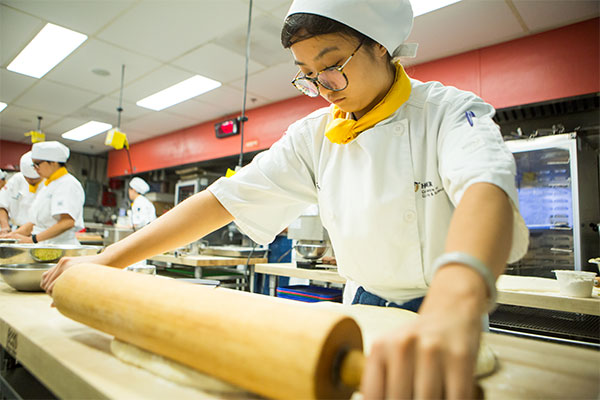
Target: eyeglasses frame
315, 80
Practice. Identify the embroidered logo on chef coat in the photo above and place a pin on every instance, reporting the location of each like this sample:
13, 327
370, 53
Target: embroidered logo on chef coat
427, 189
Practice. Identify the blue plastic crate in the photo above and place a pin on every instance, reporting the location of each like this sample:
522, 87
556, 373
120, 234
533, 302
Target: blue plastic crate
309, 294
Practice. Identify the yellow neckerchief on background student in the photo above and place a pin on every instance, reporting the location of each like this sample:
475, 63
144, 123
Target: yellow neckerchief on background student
34, 188
343, 130
62, 171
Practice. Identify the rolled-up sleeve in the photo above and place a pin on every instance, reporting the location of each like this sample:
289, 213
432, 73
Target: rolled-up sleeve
471, 150
269, 193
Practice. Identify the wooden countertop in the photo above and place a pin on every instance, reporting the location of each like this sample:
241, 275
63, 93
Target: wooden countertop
206, 260
74, 361
514, 290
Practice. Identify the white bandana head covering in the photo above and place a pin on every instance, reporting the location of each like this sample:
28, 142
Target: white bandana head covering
27, 166
139, 185
388, 22
50, 151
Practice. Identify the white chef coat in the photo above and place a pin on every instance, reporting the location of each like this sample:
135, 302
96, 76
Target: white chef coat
64, 195
142, 212
16, 199
387, 197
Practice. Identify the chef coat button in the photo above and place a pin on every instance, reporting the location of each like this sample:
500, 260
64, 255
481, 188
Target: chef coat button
399, 129
409, 216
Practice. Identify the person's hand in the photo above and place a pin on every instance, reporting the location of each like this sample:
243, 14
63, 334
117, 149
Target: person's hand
4, 232
49, 277
19, 237
435, 356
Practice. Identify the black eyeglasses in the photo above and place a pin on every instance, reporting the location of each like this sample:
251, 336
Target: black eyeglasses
332, 78
36, 164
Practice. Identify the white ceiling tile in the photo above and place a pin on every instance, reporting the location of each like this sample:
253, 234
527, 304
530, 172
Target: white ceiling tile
108, 106
157, 80
16, 30
229, 99
474, 24
280, 12
216, 62
13, 84
158, 123
81, 16
265, 43
76, 70
12, 134
25, 119
270, 5
50, 97
168, 29
196, 111
272, 83
543, 15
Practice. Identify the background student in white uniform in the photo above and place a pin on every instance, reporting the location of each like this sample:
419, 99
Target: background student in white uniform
142, 209
18, 194
57, 211
414, 184
3, 178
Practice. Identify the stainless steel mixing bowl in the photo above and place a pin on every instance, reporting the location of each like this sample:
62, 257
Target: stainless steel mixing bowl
24, 277
8, 240
311, 251
22, 253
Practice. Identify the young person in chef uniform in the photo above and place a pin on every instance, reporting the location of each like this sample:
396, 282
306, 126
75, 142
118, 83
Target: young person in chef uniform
142, 209
414, 184
56, 214
18, 194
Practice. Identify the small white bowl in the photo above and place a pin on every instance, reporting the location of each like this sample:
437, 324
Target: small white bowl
575, 283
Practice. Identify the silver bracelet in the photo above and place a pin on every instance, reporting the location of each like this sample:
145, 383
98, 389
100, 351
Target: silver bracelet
458, 257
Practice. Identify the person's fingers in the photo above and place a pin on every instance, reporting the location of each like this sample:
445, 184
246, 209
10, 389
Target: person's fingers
428, 378
460, 371
373, 379
400, 368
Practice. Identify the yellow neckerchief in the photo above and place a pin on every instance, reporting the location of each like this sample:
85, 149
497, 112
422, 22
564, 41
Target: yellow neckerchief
62, 171
33, 188
342, 130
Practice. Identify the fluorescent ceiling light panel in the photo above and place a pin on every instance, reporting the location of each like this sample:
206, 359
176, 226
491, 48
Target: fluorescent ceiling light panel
421, 7
192, 87
86, 131
49, 47
2, 106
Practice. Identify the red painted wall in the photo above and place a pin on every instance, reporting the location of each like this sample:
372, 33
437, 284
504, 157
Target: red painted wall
198, 143
10, 154
560, 63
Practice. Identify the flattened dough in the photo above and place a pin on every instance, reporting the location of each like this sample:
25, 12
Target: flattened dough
175, 372
377, 321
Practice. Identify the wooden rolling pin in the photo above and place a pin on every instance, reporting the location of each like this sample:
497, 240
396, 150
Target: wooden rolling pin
274, 347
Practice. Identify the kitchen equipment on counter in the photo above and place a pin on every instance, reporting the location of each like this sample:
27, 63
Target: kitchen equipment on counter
557, 181
25, 253
235, 251
311, 251
288, 348
575, 283
24, 277
311, 240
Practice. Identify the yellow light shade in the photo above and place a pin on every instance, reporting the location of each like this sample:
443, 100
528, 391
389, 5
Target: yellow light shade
116, 139
36, 136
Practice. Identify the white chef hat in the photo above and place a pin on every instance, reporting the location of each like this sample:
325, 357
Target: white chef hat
139, 185
27, 166
388, 22
50, 151
2, 175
